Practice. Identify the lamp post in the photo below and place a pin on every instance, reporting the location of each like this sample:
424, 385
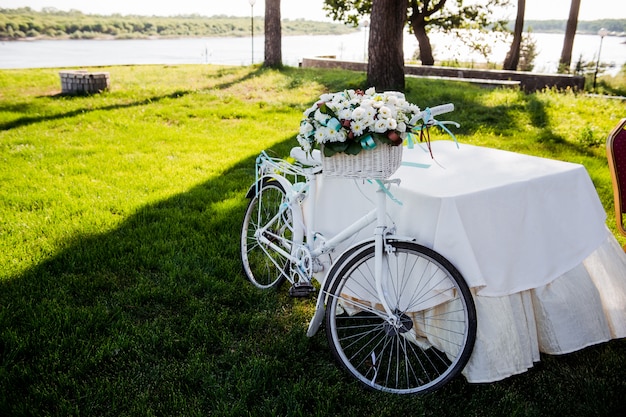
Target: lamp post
252, 26
602, 33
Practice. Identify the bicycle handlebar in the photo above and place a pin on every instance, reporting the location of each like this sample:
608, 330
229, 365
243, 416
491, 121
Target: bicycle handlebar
431, 112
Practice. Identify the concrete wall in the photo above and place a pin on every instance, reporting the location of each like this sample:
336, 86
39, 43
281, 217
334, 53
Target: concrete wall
528, 81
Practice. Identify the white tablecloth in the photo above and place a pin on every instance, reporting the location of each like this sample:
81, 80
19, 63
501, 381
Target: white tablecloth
527, 233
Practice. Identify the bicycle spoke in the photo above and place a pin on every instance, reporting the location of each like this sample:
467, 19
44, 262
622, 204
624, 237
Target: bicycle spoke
419, 349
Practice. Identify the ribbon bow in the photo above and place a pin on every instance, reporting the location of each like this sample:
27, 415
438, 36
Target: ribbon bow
429, 121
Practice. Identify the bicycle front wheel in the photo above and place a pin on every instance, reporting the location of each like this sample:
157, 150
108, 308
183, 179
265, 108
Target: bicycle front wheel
264, 266
431, 335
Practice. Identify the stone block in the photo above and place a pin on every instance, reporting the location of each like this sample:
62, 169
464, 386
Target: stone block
84, 82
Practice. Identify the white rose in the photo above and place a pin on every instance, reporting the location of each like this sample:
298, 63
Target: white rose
384, 112
358, 113
381, 126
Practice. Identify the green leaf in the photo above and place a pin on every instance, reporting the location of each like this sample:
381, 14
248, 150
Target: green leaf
382, 138
328, 151
353, 148
327, 110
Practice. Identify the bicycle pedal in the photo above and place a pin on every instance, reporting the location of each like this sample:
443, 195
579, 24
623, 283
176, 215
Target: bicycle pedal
301, 290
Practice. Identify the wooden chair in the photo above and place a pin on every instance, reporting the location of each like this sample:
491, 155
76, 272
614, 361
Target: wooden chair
616, 154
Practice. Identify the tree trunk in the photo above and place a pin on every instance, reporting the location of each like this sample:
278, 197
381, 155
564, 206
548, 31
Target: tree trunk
418, 24
426, 49
420, 12
512, 57
273, 39
385, 68
568, 43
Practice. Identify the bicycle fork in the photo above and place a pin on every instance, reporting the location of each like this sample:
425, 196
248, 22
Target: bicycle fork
394, 322
379, 252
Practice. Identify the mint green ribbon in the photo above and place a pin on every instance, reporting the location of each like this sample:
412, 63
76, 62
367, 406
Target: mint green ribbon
410, 140
414, 164
427, 118
334, 124
386, 191
437, 123
367, 142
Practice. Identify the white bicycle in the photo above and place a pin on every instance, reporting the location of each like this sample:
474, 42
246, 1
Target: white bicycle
400, 318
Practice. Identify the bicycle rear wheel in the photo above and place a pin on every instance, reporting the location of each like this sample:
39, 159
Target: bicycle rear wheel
434, 331
263, 266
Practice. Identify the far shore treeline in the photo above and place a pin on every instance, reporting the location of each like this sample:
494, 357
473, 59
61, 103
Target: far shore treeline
51, 23
25, 23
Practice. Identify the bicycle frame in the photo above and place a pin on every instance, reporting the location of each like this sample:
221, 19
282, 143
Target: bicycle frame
304, 233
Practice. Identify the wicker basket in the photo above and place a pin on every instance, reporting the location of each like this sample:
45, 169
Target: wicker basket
378, 163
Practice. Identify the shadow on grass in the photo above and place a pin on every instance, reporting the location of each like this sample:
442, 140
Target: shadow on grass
500, 119
156, 318
151, 316
29, 120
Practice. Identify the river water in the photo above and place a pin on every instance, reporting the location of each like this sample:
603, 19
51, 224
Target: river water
241, 51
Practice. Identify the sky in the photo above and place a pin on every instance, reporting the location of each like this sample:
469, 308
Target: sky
294, 9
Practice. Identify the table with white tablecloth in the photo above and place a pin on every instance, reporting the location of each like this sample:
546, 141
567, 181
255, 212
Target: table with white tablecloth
528, 234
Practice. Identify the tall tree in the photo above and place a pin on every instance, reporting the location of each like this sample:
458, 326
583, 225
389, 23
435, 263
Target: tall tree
423, 15
570, 31
512, 57
385, 67
273, 34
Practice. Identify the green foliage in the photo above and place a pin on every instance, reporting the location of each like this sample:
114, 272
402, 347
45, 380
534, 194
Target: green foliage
121, 292
441, 14
51, 23
425, 16
350, 11
528, 52
605, 84
613, 85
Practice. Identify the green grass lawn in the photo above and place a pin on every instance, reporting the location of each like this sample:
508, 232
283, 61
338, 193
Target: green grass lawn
121, 292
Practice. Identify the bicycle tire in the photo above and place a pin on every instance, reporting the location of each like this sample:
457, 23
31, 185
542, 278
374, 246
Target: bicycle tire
264, 267
436, 329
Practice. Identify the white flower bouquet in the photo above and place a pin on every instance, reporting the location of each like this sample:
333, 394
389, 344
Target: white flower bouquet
354, 120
